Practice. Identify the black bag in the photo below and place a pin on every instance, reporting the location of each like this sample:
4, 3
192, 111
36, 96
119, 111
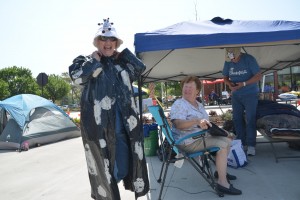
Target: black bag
228, 125
215, 130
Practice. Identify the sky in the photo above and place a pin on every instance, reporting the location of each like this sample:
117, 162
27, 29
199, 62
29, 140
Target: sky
46, 35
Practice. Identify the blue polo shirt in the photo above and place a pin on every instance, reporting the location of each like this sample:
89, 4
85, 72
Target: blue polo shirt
242, 71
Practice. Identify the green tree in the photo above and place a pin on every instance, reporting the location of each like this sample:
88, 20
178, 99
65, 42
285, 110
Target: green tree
4, 92
56, 88
174, 88
19, 81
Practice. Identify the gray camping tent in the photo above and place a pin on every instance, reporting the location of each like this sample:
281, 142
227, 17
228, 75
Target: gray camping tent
33, 120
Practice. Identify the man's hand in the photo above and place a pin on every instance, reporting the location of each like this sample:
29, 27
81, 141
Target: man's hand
236, 86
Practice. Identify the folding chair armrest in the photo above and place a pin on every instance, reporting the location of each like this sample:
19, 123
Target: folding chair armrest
193, 135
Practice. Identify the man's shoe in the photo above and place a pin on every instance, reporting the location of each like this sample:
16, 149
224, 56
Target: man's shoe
251, 151
228, 176
230, 190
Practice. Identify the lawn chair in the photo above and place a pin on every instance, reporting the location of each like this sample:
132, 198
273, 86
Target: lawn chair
202, 165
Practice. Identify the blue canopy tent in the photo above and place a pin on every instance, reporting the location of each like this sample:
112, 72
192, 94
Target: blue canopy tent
197, 47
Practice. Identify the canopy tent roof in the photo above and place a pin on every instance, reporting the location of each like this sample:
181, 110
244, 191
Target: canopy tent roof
197, 47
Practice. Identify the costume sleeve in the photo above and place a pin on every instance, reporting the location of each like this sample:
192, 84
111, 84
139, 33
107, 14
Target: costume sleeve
133, 65
83, 69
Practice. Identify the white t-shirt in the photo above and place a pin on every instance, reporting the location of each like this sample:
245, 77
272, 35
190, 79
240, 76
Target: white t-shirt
225, 95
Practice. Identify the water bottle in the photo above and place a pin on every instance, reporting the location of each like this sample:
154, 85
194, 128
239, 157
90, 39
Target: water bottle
179, 163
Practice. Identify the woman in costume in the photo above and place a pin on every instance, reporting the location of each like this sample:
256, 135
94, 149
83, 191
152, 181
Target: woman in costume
110, 126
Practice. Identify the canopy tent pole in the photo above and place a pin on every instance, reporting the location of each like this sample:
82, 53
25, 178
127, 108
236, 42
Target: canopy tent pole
162, 90
140, 101
263, 83
202, 93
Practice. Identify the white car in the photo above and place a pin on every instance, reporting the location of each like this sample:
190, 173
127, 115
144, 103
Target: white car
287, 96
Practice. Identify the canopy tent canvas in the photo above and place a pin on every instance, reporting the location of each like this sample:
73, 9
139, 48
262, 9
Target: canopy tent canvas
33, 120
198, 47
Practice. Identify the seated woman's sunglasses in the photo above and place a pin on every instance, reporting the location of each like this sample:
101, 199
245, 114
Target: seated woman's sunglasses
103, 38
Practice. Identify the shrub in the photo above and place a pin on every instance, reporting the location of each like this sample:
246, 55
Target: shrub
76, 120
227, 115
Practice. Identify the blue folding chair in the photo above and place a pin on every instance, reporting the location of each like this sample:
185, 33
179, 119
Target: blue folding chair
202, 165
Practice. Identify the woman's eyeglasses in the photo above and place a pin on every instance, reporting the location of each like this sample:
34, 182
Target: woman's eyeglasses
103, 38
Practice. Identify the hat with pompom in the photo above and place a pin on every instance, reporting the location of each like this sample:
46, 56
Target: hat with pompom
107, 30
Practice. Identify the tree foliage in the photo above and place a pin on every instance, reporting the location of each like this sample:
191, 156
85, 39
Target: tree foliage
56, 88
174, 88
4, 92
19, 80
169, 88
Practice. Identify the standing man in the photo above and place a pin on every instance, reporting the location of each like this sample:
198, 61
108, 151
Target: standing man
241, 73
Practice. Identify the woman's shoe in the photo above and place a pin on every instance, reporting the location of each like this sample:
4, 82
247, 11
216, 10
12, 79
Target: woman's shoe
228, 176
230, 190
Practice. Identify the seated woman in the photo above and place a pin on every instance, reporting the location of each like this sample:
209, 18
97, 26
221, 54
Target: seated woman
189, 116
